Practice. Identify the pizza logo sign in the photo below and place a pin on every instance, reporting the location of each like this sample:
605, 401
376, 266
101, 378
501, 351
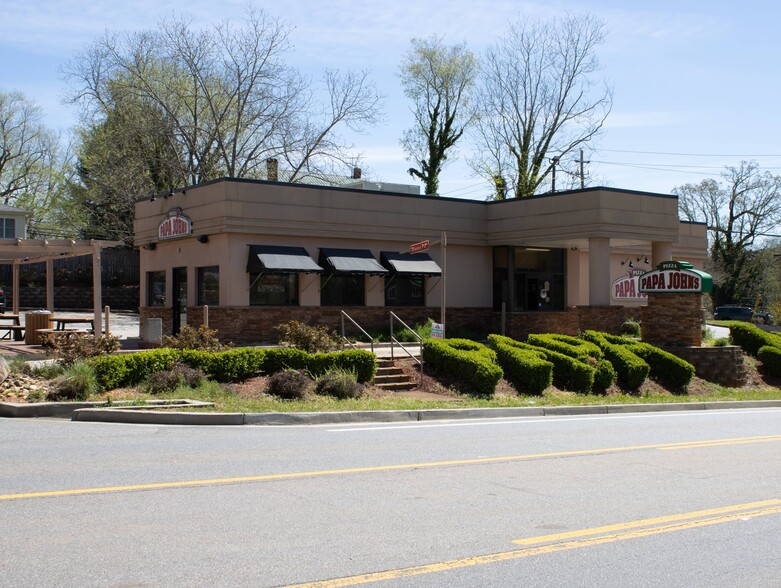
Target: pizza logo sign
675, 277
175, 225
627, 288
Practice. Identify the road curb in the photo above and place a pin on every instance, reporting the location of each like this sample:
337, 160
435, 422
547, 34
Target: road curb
86, 412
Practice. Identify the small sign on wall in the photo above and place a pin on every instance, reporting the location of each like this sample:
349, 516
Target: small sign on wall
437, 331
174, 225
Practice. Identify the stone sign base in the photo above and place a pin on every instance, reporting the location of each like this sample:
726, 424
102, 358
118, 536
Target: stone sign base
673, 319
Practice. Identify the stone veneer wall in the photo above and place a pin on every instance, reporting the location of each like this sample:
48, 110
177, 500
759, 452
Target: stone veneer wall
255, 324
673, 319
723, 365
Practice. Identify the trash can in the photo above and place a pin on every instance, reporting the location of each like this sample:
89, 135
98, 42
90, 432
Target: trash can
33, 322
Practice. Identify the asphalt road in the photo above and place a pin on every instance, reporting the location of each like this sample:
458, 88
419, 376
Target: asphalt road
652, 499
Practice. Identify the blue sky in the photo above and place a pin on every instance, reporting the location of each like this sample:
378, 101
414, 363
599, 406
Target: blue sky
696, 84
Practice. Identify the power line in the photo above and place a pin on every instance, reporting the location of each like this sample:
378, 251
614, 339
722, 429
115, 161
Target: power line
688, 154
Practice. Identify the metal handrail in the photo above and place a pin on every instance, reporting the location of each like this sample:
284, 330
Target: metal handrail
344, 337
397, 342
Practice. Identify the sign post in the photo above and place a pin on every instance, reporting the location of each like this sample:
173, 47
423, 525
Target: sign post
422, 246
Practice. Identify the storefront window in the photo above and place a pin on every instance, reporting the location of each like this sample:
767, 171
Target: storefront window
273, 289
209, 286
155, 288
528, 278
345, 290
405, 291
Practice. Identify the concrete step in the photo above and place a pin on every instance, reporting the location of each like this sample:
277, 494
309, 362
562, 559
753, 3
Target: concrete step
397, 386
389, 378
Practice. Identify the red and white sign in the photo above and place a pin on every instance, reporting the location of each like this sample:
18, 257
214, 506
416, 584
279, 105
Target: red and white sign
175, 225
419, 247
627, 288
671, 281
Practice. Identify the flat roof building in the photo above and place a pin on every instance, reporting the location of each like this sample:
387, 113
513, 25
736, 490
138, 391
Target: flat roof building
260, 253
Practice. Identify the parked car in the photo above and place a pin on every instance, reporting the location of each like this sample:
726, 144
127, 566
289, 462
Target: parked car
742, 313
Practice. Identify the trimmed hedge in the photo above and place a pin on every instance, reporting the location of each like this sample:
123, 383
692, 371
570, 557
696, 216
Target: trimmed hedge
584, 351
771, 359
631, 370
466, 360
115, 371
527, 369
572, 346
751, 338
568, 372
666, 368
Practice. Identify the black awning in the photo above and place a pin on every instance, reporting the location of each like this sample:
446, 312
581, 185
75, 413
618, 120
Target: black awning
350, 261
410, 263
283, 260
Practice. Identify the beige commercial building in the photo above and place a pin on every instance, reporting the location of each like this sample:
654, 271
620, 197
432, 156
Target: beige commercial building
259, 253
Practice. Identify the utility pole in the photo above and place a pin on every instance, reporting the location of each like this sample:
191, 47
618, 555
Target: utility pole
582, 174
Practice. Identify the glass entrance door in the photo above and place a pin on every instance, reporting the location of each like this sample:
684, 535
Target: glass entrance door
180, 298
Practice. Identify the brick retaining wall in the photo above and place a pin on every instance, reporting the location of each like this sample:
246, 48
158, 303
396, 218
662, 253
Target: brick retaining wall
723, 365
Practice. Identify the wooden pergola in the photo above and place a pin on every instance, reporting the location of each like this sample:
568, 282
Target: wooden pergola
22, 251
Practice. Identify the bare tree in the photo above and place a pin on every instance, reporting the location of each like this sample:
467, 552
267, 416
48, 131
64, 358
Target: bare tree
227, 93
438, 80
32, 162
538, 97
739, 211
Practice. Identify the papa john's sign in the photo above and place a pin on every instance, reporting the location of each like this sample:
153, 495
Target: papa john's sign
673, 277
627, 288
175, 225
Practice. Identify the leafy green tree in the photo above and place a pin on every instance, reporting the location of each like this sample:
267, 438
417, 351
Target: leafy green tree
537, 99
438, 79
740, 212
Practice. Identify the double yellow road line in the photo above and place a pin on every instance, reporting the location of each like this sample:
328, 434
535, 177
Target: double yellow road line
545, 544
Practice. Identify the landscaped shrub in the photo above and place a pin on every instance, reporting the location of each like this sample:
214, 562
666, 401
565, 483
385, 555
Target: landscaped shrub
114, 371
310, 339
751, 338
465, 360
202, 338
582, 350
631, 328
631, 370
666, 368
568, 373
289, 384
360, 362
340, 384
526, 369
77, 383
169, 380
277, 359
572, 346
229, 365
604, 376
771, 359
70, 348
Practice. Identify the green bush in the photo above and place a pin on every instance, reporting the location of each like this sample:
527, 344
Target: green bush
281, 358
572, 346
340, 384
568, 373
604, 376
631, 328
465, 360
360, 362
307, 338
666, 368
527, 369
229, 365
771, 359
631, 370
751, 338
289, 385
130, 369
77, 383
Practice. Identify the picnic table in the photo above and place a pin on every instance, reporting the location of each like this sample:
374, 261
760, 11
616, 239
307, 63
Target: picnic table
61, 322
10, 325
